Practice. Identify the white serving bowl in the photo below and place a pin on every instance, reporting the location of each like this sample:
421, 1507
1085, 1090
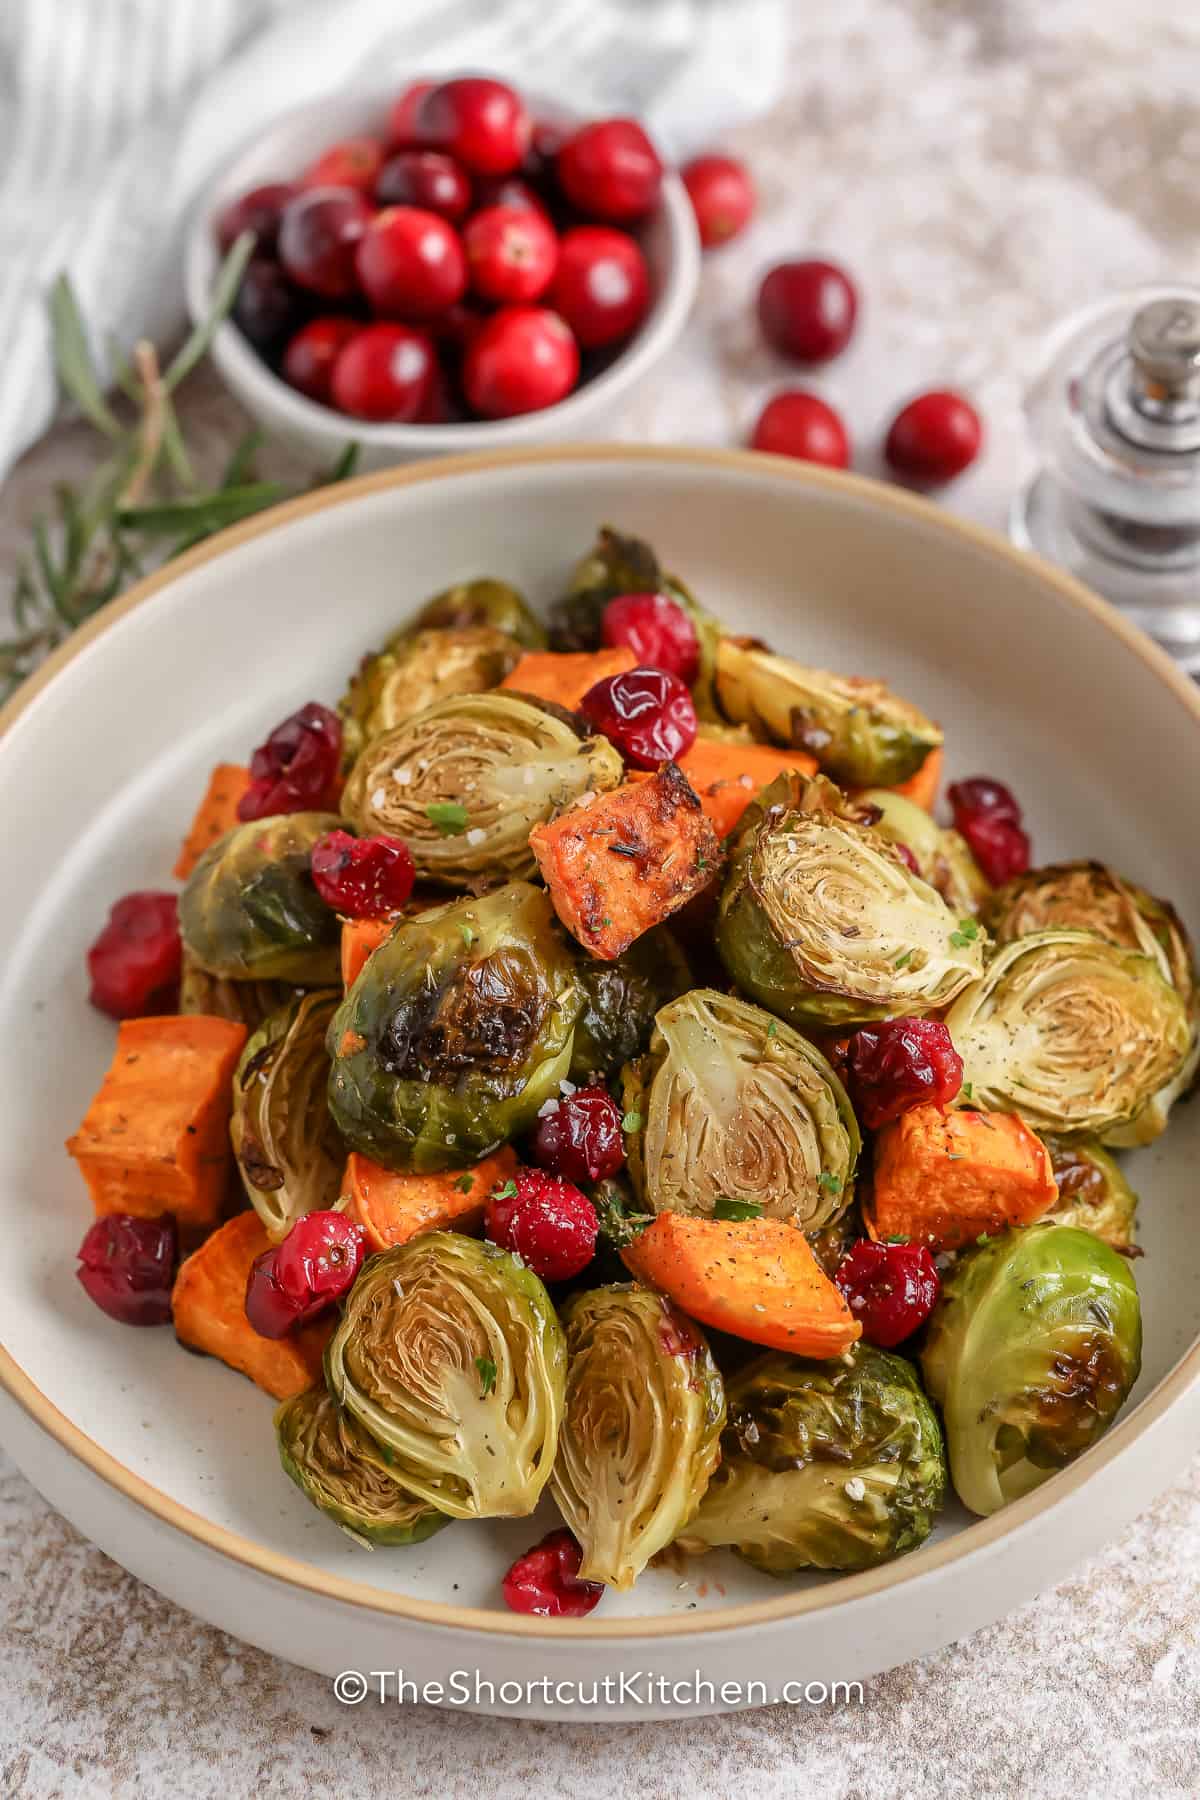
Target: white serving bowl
669, 241
167, 1460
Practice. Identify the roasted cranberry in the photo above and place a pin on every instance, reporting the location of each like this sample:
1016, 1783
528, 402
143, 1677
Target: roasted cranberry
807, 309
268, 309
309, 358
988, 816
509, 190
579, 1137
427, 179
800, 424
979, 794
601, 287
511, 253
525, 358
402, 114
722, 197
611, 171
354, 163
891, 1289
135, 962
546, 1580
898, 1064
271, 1312
258, 211
296, 769
907, 858
362, 878
318, 236
384, 373
545, 1221
480, 121
127, 1266
934, 438
647, 713
294, 1281
410, 263
657, 630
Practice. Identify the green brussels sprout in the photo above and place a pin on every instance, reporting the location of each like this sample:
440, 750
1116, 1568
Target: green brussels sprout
481, 602
289, 1154
249, 910
416, 671
732, 1106
245, 1002
859, 731
824, 1465
340, 1468
1030, 1353
1075, 1034
821, 921
459, 1028
465, 782
1093, 1194
641, 1431
450, 1355
943, 857
1151, 1122
621, 998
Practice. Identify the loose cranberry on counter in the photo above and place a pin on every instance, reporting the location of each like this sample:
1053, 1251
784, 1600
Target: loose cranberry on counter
362, 878
410, 263
383, 373
127, 1266
511, 252
579, 1137
807, 309
268, 309
296, 769
480, 121
309, 358
135, 962
546, 1580
258, 211
891, 1289
647, 713
797, 423
611, 171
657, 630
898, 1064
402, 115
354, 163
319, 233
525, 358
934, 438
988, 816
315, 1265
722, 196
545, 1221
601, 286
427, 179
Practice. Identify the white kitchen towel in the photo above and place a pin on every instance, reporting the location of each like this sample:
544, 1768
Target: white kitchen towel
114, 113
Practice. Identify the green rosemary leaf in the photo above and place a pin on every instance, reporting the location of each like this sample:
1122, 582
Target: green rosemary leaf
239, 467
73, 359
343, 468
201, 513
229, 277
175, 449
51, 577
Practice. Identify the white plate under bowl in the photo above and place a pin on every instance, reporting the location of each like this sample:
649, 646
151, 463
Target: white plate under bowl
167, 1460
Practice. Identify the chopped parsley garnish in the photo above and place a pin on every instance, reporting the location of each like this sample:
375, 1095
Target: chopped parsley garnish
902, 962
968, 1091
968, 931
487, 1375
985, 1237
725, 1208
632, 1122
772, 1029
831, 1182
465, 1183
468, 936
507, 1192
898, 1239
449, 817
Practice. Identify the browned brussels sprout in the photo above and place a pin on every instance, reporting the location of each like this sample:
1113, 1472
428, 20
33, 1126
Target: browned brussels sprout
249, 910
287, 1149
416, 671
620, 1000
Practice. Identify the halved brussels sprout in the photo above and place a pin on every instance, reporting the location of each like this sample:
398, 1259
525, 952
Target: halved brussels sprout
943, 857
824, 1465
465, 782
287, 1149
245, 1002
1075, 1034
859, 731
1030, 1353
480, 602
249, 910
730, 1104
1151, 1122
641, 1430
822, 922
1092, 1192
340, 1468
416, 671
458, 1029
621, 998
450, 1355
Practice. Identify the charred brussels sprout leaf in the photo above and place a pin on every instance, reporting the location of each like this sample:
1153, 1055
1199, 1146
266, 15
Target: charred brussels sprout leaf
339, 1467
287, 1149
1092, 1192
943, 857
641, 1430
1031, 1352
824, 1465
458, 1029
416, 672
421, 1325
481, 602
620, 1000
245, 1002
249, 910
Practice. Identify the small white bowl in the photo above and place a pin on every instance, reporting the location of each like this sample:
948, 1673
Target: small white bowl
669, 241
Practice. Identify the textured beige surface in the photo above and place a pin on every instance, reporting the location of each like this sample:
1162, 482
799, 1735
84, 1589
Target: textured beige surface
981, 168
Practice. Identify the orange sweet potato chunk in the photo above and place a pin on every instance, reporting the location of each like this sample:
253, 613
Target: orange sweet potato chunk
359, 938
564, 676
215, 815
727, 777
391, 1207
944, 1177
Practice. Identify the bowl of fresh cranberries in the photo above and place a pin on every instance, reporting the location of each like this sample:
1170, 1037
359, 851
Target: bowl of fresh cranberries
444, 265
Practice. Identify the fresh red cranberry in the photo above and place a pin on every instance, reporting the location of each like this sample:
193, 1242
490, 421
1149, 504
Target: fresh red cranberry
402, 115
611, 171
891, 1289
797, 423
383, 373
511, 252
601, 287
258, 211
309, 358
354, 163
988, 816
315, 1265
898, 1064
480, 121
546, 1580
271, 1312
296, 768
579, 1137
807, 309
268, 309
657, 630
427, 179
647, 713
934, 438
509, 190
135, 962
525, 358
457, 328
441, 402
362, 878
545, 1221
127, 1266
319, 233
410, 263
979, 794
544, 145
722, 196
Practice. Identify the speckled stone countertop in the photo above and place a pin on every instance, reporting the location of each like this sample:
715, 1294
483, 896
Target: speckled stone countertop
982, 168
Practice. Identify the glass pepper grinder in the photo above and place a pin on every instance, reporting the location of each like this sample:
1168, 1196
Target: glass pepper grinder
1115, 418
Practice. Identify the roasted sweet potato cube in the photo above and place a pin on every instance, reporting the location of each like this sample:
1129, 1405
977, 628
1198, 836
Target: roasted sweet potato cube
215, 815
564, 676
944, 1177
392, 1207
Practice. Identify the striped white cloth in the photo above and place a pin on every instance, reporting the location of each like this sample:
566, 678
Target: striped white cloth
113, 113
